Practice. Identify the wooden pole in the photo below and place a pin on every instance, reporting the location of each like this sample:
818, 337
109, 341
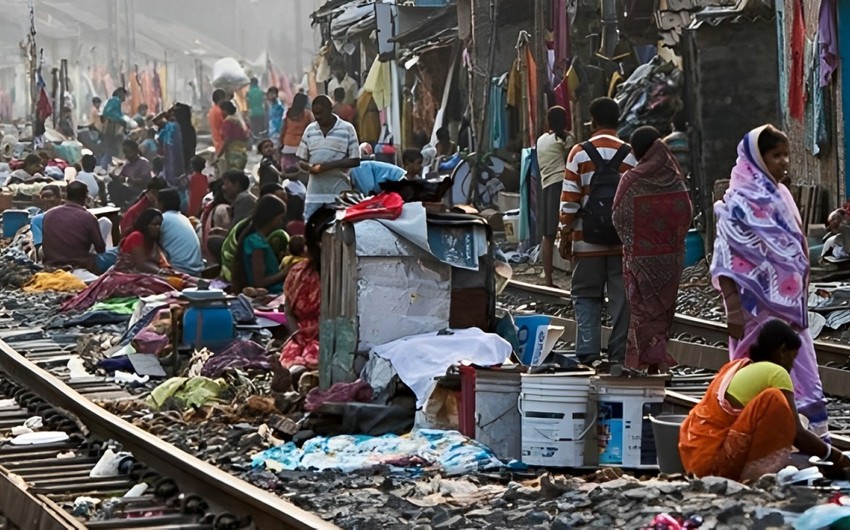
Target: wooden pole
33, 69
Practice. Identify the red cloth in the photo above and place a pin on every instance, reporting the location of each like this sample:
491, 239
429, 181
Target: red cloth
796, 93
232, 130
345, 111
303, 291
385, 205
198, 187
115, 283
357, 392
133, 241
652, 213
133, 213
43, 106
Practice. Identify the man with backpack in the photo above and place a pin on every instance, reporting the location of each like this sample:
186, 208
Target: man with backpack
588, 237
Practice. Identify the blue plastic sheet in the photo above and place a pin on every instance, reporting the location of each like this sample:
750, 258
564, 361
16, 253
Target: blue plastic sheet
451, 451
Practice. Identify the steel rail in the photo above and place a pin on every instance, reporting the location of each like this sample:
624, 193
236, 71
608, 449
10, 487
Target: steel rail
193, 475
835, 381
828, 352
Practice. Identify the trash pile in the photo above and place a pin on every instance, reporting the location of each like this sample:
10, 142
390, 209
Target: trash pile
380, 498
650, 96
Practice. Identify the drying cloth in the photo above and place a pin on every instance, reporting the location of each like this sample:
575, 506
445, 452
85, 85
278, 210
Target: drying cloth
358, 391
239, 355
420, 358
796, 94
120, 305
54, 281
187, 392
450, 451
378, 82
827, 42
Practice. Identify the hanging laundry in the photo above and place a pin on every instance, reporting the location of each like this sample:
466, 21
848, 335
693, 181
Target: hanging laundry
498, 113
827, 41
796, 96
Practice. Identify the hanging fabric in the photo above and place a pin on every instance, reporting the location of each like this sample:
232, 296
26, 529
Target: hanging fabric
796, 97
498, 118
827, 42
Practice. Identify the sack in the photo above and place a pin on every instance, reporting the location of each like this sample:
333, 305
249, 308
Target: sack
229, 75
597, 224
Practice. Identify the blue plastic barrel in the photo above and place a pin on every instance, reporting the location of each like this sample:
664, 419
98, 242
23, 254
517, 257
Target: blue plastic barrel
13, 220
694, 250
208, 324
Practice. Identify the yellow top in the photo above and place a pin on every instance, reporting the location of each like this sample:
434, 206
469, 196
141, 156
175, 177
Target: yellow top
754, 378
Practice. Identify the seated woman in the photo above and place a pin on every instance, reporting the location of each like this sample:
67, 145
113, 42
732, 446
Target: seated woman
139, 249
303, 295
141, 269
278, 239
747, 422
256, 264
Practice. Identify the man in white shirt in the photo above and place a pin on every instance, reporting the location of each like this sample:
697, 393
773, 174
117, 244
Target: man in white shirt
341, 79
329, 148
87, 177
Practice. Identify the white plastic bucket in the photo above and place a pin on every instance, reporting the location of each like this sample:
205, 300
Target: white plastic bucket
623, 429
511, 221
555, 423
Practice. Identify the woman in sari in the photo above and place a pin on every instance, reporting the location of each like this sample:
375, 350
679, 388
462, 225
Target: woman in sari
256, 264
139, 250
234, 136
215, 222
141, 269
298, 117
761, 261
303, 295
747, 421
652, 214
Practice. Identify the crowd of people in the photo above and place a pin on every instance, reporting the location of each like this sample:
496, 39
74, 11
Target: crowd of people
185, 216
623, 213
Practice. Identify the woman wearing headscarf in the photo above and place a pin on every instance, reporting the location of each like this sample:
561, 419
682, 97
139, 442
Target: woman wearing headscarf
652, 214
761, 261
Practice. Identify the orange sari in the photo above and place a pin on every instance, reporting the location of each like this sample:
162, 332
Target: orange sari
719, 440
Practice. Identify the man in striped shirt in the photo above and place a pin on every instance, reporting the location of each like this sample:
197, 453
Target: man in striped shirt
596, 268
329, 148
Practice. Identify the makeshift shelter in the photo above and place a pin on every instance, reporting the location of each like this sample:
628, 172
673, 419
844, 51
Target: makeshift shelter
379, 285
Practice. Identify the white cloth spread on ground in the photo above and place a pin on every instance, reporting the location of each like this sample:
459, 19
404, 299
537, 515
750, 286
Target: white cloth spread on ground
420, 358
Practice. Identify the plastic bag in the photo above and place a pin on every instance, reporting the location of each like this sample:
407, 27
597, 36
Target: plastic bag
382, 206
822, 516
229, 75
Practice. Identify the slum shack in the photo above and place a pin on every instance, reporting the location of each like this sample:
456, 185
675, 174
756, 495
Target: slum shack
383, 280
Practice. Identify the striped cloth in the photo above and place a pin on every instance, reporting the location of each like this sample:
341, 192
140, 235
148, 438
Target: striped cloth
576, 187
317, 148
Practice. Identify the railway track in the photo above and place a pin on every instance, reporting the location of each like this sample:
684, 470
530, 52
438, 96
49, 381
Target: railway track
701, 344
182, 491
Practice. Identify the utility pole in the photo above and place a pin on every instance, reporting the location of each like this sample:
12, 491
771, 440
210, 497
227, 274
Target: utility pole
32, 53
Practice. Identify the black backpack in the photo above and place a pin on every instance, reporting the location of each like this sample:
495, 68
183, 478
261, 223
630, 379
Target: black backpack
597, 225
